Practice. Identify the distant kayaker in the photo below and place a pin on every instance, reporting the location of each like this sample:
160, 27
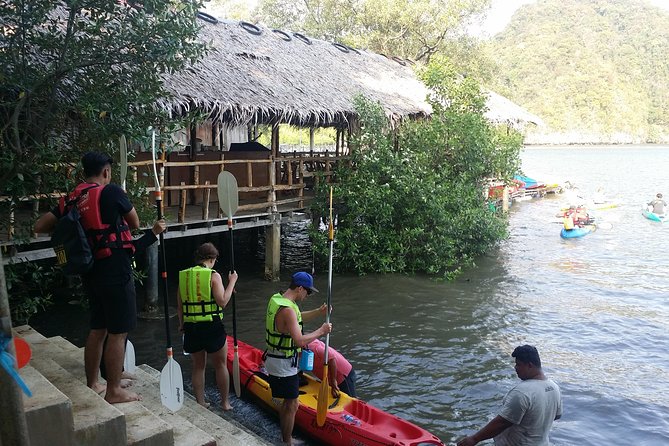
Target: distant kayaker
284, 338
528, 410
201, 298
658, 205
341, 375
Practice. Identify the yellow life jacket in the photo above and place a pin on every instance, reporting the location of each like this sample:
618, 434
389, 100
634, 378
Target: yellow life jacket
196, 300
276, 341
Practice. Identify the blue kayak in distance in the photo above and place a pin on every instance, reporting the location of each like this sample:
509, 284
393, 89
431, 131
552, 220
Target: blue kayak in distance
653, 216
577, 232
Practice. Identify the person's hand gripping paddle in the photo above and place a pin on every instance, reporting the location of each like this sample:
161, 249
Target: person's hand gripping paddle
324, 391
228, 201
171, 381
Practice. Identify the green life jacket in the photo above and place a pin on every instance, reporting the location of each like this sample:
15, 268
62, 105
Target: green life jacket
279, 341
196, 300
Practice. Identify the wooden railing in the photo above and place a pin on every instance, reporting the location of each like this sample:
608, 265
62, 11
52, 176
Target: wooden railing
264, 184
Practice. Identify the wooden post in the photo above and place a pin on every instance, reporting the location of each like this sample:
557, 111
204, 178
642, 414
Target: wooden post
272, 251
196, 181
13, 426
249, 174
505, 199
311, 139
337, 141
271, 195
182, 204
300, 192
205, 202
151, 281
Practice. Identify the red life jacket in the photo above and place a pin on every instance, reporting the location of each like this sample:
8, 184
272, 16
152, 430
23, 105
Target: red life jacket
102, 237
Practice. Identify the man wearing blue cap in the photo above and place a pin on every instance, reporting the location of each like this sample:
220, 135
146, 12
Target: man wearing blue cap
285, 338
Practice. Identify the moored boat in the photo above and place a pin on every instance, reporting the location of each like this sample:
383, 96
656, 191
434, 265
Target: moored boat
349, 421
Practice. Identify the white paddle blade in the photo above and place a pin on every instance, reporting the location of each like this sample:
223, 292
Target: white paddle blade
235, 374
228, 194
171, 385
129, 360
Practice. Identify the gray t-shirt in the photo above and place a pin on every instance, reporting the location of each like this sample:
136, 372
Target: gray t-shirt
531, 406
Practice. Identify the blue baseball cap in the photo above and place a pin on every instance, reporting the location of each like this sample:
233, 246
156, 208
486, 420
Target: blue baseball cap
304, 280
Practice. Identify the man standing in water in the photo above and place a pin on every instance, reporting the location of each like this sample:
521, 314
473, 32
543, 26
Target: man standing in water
107, 216
528, 410
284, 339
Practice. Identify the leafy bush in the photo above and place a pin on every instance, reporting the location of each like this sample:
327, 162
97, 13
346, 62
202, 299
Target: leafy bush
421, 207
29, 286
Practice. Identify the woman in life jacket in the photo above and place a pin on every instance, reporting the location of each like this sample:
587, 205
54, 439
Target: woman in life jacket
200, 301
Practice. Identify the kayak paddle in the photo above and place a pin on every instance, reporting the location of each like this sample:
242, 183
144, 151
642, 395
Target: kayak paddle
124, 160
228, 201
322, 407
129, 359
171, 381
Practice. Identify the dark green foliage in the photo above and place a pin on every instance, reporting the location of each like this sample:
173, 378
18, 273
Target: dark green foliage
422, 207
76, 75
589, 66
29, 286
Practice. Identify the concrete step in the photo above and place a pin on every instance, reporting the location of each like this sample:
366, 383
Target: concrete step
48, 412
226, 432
140, 426
143, 427
28, 333
95, 421
185, 432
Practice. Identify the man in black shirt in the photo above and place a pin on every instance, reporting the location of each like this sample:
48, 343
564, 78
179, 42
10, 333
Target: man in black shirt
108, 216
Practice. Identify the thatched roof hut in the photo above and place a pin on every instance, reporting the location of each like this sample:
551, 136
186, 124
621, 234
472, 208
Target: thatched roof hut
257, 75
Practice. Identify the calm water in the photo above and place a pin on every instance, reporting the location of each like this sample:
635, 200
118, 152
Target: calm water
437, 353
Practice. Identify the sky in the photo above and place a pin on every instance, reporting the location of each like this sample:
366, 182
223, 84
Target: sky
502, 10
497, 18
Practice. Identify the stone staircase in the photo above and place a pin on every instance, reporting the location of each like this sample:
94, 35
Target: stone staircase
64, 411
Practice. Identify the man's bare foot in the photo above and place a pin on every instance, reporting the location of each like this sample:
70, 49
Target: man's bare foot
99, 388
226, 407
125, 383
204, 404
121, 396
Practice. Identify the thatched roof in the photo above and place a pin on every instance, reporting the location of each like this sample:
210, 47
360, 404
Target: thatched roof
263, 78
503, 110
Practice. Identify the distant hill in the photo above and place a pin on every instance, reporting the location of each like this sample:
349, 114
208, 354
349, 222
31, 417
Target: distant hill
594, 70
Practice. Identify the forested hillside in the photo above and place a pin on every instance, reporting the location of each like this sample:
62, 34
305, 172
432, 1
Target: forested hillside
594, 70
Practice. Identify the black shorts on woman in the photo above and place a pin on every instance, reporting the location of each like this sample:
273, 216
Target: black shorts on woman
208, 336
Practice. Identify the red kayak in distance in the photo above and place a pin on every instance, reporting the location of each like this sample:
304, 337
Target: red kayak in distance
349, 421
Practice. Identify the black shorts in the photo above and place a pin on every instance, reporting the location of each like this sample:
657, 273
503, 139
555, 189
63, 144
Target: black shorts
285, 386
113, 307
209, 336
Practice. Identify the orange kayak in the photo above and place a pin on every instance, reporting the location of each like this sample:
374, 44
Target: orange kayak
349, 421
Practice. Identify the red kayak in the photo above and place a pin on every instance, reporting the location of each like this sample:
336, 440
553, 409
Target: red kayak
349, 421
